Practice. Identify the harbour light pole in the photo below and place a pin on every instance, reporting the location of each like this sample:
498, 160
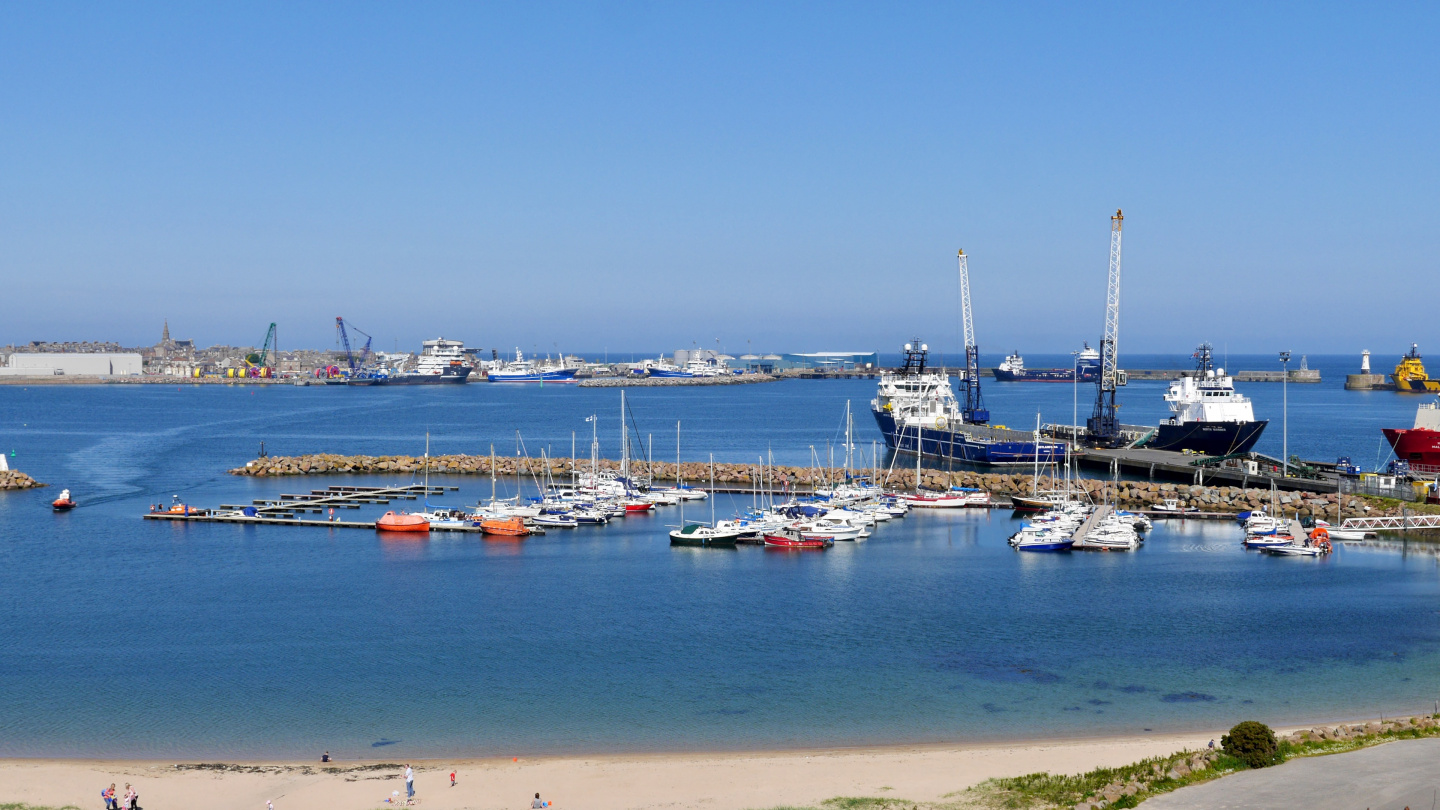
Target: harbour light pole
1074, 397
1285, 431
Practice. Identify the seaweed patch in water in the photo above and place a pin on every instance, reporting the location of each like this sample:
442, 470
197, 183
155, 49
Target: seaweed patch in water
1189, 697
382, 742
995, 671
1098, 702
992, 708
1134, 689
1072, 709
724, 711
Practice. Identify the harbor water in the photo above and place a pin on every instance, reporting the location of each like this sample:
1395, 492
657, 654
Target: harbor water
130, 638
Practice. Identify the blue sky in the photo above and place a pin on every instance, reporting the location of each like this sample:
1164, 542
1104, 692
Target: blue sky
782, 176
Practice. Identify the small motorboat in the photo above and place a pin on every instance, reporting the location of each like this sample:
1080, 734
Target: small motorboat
590, 517
512, 526
402, 522
792, 539
63, 503
1171, 506
639, 506
1264, 541
1045, 540
1352, 535
1310, 548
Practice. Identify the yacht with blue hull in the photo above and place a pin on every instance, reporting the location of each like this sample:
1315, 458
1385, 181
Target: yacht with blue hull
916, 410
1210, 417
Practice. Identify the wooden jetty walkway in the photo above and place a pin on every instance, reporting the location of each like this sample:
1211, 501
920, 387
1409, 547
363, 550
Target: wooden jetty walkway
282, 511
1091, 521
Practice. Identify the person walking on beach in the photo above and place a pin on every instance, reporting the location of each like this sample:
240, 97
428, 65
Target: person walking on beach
409, 782
452, 779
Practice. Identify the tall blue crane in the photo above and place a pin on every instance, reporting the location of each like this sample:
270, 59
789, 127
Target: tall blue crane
356, 365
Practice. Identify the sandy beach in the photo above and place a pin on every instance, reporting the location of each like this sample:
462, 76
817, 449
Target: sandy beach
722, 781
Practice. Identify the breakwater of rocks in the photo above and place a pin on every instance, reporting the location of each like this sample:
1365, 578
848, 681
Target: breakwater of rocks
1127, 494
14, 479
660, 382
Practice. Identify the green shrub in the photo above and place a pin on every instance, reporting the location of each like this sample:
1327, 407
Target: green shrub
1252, 743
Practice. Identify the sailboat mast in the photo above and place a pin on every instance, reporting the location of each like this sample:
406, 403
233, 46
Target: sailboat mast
677, 455
492, 474
711, 499
919, 453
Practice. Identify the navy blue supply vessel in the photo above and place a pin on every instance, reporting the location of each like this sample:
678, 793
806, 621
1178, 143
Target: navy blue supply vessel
1210, 417
916, 409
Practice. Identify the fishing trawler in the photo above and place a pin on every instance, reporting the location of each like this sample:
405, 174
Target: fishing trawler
1209, 416
522, 370
917, 411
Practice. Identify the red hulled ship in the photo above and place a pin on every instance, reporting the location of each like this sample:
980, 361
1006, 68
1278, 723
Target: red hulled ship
1419, 446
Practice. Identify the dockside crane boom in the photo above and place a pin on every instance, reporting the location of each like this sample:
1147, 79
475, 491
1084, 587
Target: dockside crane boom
260, 360
350, 358
1104, 424
975, 412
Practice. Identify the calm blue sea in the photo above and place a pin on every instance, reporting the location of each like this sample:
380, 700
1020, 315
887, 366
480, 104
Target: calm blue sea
123, 637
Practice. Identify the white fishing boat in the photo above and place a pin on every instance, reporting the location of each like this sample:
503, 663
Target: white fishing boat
1171, 506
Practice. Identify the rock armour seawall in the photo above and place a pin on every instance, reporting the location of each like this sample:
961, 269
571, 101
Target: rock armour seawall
1128, 494
14, 479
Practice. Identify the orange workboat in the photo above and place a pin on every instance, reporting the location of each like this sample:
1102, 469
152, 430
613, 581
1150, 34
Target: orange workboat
63, 503
402, 522
512, 526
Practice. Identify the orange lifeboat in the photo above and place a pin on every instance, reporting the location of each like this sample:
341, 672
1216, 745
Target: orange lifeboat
511, 526
402, 522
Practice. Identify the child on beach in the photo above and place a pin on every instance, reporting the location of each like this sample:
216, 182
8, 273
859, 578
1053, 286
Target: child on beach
452, 779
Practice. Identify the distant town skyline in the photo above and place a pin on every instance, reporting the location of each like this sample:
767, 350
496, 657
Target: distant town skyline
783, 177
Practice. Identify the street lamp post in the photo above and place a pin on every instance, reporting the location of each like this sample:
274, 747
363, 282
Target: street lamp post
1285, 393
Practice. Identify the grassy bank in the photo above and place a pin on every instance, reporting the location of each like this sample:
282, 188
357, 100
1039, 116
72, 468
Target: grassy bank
1130, 785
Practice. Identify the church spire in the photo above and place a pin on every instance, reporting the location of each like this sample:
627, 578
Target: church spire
165, 337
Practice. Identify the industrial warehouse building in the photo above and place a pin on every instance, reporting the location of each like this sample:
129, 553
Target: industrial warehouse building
771, 363
49, 364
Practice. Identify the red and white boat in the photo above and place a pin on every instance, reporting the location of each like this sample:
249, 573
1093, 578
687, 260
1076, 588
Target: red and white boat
63, 503
402, 522
639, 506
792, 539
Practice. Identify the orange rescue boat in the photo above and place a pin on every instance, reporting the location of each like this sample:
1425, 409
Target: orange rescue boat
63, 503
402, 522
512, 526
